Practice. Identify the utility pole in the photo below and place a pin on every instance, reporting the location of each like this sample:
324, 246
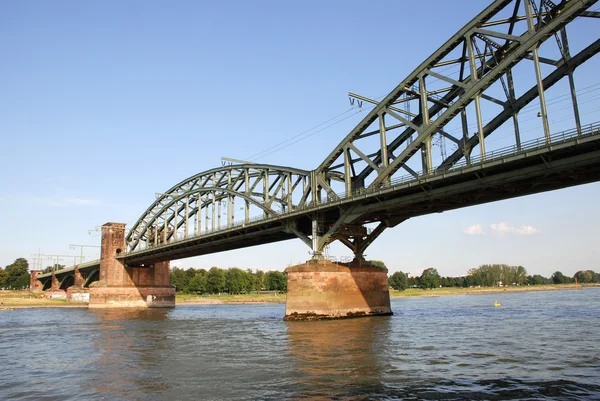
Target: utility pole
37, 260
57, 258
73, 246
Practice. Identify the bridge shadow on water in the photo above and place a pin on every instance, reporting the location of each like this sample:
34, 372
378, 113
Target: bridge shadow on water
338, 359
130, 343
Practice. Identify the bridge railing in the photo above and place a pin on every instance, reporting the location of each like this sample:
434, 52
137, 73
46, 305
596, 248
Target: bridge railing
534, 144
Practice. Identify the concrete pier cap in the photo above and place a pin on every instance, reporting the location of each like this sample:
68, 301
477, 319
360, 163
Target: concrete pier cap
321, 289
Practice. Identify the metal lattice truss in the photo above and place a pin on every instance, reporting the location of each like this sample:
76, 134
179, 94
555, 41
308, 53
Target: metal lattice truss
496, 65
208, 202
484, 54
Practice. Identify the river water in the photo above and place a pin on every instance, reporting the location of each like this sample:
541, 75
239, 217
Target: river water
537, 345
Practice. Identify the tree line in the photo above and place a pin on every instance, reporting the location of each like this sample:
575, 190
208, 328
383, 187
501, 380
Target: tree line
494, 275
15, 276
232, 280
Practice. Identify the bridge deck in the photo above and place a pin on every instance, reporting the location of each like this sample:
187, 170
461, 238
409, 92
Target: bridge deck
569, 159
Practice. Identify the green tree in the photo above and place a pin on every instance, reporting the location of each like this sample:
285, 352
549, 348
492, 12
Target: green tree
237, 280
215, 280
398, 281
559, 278
3, 276
180, 279
521, 275
249, 281
430, 278
537, 279
586, 276
259, 280
378, 263
276, 280
198, 282
17, 274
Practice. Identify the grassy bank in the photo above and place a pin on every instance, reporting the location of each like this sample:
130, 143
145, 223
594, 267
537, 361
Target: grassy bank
224, 298
438, 292
23, 299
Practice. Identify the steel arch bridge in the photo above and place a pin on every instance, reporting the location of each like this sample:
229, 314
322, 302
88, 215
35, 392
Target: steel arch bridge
384, 170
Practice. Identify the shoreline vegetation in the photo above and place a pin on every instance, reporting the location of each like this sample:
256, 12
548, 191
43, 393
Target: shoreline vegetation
12, 299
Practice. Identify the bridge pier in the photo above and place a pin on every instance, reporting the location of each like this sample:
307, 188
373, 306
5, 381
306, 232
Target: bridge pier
121, 286
35, 285
76, 292
321, 289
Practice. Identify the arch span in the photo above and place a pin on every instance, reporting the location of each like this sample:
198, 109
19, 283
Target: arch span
67, 281
207, 201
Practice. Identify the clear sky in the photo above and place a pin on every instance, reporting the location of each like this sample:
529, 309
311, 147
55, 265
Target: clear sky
104, 103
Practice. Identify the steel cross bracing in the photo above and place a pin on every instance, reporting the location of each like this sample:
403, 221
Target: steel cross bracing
497, 64
485, 53
208, 202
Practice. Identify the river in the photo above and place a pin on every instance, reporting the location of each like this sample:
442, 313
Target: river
537, 345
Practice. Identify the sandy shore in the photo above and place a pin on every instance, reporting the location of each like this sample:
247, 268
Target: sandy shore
12, 300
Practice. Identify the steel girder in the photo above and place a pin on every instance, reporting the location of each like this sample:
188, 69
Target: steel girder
195, 205
486, 50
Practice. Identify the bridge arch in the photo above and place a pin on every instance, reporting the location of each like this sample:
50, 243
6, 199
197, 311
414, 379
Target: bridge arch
67, 281
476, 84
46, 284
94, 275
206, 202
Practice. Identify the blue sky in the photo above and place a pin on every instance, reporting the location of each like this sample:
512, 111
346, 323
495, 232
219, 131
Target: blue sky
105, 103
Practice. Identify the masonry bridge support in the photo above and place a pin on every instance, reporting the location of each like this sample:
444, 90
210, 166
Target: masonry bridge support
123, 286
383, 172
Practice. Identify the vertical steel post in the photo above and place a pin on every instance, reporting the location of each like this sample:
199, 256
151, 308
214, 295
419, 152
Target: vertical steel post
511, 92
206, 220
232, 208
426, 148
383, 143
474, 78
213, 220
199, 215
465, 131
219, 215
176, 214
315, 239
187, 216
229, 206
565, 41
247, 203
266, 190
538, 73
347, 176
289, 192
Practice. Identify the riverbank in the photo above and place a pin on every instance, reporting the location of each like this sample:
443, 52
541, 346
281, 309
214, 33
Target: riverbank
23, 299
224, 298
439, 292
10, 299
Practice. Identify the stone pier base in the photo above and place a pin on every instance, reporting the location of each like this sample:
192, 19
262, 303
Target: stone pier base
326, 290
77, 294
102, 296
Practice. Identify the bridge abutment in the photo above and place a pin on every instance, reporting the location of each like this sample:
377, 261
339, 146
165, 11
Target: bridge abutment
121, 286
320, 289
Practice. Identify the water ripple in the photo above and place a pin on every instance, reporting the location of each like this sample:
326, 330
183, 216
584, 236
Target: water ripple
537, 346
